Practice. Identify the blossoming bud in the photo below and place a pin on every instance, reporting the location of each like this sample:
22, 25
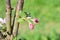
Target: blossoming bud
35, 20
31, 26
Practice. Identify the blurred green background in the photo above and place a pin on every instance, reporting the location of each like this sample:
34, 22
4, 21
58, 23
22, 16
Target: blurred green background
48, 14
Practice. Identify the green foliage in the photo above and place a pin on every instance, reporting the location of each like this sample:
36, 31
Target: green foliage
20, 20
15, 38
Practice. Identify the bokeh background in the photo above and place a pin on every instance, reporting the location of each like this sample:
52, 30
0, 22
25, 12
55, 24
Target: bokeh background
48, 14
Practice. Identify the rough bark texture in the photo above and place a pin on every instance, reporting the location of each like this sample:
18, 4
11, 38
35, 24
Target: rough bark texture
8, 16
8, 19
16, 24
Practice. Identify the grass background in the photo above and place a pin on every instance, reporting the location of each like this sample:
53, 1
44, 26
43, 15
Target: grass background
48, 14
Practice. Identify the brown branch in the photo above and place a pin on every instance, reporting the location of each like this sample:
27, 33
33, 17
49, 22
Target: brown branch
19, 7
8, 16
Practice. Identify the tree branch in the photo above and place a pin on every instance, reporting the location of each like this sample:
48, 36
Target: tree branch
8, 16
19, 7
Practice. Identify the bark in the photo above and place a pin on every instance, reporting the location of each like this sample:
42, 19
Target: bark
8, 16
8, 19
19, 7
13, 29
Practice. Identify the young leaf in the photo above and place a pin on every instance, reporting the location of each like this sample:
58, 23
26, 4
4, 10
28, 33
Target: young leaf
20, 20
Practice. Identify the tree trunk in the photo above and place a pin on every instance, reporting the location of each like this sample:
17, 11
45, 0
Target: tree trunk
19, 7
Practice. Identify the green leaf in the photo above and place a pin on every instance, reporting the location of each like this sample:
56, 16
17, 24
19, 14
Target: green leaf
30, 20
14, 38
20, 20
